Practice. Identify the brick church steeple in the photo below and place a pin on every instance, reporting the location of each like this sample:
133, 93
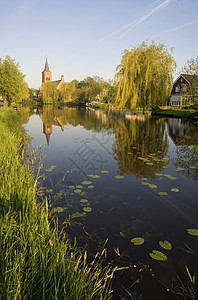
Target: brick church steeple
46, 74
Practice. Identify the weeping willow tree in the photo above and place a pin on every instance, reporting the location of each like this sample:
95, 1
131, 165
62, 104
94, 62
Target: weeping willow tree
144, 77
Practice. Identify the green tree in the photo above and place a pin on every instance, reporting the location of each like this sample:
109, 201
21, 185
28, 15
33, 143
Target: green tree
13, 88
68, 92
49, 92
191, 66
145, 76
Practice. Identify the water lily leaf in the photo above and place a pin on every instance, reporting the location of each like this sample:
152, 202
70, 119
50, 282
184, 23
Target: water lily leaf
104, 172
79, 186
184, 159
144, 178
145, 183
137, 241
152, 186
192, 167
166, 245
149, 163
77, 191
93, 176
84, 201
71, 186
179, 169
119, 176
175, 190
158, 255
165, 167
86, 182
163, 193
112, 155
78, 215
159, 174
57, 209
87, 209
193, 231
90, 186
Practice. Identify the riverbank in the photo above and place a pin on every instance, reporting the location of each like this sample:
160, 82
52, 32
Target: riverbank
176, 113
35, 261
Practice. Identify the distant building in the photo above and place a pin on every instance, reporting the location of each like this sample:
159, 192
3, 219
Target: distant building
185, 90
47, 76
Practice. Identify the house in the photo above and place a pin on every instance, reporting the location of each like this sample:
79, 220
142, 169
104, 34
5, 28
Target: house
47, 76
185, 90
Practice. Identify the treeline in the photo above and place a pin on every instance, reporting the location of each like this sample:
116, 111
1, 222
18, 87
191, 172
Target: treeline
90, 89
143, 79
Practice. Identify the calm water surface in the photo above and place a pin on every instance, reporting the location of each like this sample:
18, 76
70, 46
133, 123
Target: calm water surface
135, 158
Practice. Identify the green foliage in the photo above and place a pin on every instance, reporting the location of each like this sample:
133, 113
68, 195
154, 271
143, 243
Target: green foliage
49, 92
68, 92
144, 77
13, 88
191, 66
37, 262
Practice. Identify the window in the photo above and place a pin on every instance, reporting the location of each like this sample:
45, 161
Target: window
177, 89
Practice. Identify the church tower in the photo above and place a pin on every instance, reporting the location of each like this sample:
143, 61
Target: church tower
46, 74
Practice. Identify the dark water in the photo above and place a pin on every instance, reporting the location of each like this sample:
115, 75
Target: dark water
144, 150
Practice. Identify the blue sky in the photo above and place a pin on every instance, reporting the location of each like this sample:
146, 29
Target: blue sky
86, 38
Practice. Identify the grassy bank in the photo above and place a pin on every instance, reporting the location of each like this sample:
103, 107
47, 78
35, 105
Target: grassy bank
35, 261
178, 113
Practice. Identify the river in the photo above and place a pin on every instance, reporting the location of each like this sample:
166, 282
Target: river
127, 183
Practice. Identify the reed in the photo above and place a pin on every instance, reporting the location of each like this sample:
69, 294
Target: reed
37, 261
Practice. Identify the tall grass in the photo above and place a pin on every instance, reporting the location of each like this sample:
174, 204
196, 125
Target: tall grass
35, 261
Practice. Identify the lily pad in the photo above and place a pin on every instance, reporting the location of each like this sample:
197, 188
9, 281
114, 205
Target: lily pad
86, 182
163, 193
71, 186
159, 174
192, 167
144, 178
90, 186
104, 172
93, 176
78, 215
193, 231
137, 241
145, 183
84, 201
79, 186
158, 255
175, 190
119, 176
149, 163
152, 186
87, 209
166, 245
77, 191
57, 209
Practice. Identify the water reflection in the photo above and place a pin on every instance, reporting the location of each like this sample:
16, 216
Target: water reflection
184, 134
148, 152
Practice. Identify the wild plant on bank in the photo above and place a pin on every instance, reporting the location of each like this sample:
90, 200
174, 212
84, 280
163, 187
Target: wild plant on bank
35, 261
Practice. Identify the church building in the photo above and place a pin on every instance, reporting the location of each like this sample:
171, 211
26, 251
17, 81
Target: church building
47, 76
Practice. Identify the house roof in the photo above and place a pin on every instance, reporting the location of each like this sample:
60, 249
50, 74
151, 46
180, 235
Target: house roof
192, 79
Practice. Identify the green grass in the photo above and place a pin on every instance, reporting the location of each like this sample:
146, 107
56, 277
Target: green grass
37, 262
176, 112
